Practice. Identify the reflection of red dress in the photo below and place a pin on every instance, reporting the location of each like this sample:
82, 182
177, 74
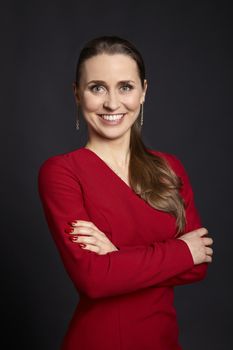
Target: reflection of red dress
126, 296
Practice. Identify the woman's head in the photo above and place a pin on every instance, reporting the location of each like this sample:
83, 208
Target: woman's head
110, 83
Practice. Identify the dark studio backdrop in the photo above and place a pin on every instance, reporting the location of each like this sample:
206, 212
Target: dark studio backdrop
188, 112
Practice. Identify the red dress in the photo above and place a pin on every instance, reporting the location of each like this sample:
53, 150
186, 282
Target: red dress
126, 296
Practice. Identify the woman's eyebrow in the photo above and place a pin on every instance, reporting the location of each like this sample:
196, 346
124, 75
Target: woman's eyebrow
103, 82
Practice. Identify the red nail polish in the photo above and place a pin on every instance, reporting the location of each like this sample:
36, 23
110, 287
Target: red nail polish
72, 223
69, 230
82, 245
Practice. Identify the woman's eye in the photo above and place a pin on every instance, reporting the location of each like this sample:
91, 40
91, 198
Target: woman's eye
96, 88
127, 87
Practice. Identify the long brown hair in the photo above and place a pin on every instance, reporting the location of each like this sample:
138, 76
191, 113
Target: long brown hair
157, 184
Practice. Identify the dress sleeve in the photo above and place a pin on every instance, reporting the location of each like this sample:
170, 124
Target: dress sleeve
197, 272
118, 272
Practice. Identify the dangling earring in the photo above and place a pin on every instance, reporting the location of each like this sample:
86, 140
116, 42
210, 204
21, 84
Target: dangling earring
141, 114
77, 122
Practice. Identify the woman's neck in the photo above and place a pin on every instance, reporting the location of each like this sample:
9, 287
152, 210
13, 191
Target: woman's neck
117, 156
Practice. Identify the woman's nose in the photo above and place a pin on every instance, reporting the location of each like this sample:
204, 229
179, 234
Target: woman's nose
111, 101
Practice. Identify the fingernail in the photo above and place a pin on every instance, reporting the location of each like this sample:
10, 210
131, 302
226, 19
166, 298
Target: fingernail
72, 223
69, 230
82, 245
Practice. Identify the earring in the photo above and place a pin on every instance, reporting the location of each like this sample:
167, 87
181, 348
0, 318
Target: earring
77, 122
141, 114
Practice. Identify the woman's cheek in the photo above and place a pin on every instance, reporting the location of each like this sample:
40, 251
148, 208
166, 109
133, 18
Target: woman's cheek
132, 102
92, 104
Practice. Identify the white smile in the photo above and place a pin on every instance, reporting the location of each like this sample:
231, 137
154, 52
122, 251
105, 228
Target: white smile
112, 116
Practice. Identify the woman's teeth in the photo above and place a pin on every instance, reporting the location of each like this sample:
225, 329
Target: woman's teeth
111, 116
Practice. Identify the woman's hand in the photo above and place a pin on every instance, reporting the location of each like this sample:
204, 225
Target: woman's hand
90, 237
198, 245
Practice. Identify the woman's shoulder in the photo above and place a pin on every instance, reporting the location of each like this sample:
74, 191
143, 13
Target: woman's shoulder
172, 159
61, 160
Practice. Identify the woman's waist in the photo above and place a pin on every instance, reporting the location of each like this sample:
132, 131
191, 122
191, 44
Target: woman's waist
152, 299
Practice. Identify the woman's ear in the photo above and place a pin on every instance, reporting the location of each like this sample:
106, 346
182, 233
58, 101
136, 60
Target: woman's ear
144, 91
76, 94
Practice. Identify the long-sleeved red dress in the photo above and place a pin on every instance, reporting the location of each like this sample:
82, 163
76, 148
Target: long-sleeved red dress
126, 296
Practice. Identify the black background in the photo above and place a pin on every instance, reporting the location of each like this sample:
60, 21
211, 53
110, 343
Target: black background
187, 50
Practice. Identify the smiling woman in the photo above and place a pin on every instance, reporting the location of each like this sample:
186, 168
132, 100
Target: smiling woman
123, 216
116, 100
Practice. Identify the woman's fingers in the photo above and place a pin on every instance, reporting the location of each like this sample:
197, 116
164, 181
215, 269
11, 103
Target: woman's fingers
208, 258
85, 232
91, 243
86, 229
198, 242
89, 235
93, 248
85, 239
202, 231
209, 251
87, 224
207, 240
81, 223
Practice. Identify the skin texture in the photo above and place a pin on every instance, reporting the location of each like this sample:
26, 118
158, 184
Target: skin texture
111, 142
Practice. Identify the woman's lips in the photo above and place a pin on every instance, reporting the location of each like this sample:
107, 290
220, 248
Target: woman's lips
111, 119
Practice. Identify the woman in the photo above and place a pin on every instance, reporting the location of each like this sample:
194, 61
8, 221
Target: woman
122, 216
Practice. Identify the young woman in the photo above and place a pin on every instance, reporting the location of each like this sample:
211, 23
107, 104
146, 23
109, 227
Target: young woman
122, 215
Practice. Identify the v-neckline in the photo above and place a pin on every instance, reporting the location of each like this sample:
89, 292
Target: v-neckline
110, 169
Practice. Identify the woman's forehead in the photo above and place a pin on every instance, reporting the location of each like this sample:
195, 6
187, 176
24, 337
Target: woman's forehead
117, 65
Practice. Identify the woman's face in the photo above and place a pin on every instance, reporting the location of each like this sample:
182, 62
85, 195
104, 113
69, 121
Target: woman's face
110, 94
